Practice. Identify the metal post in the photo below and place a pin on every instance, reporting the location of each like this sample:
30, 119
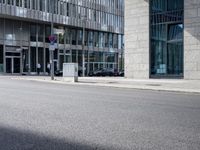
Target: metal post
21, 51
83, 51
51, 51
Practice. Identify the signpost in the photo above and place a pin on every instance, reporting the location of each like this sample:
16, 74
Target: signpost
52, 39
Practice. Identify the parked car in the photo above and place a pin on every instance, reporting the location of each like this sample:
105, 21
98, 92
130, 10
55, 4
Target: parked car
104, 72
95, 73
115, 73
58, 73
121, 73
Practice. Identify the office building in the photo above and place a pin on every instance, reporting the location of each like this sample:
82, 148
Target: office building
25, 27
162, 39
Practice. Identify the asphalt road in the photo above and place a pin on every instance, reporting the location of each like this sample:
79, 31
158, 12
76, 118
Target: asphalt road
45, 116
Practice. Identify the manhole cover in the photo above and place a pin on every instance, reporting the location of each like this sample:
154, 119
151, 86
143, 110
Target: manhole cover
111, 82
153, 84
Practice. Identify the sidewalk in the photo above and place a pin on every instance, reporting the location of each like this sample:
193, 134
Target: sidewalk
172, 85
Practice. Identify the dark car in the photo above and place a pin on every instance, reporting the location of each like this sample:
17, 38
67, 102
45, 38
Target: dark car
121, 73
104, 72
115, 73
58, 73
107, 72
95, 73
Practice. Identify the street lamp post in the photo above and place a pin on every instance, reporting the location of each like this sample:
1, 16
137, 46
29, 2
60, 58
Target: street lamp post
52, 51
83, 46
21, 49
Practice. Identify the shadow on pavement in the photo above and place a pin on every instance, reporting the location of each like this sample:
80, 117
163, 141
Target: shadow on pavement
13, 139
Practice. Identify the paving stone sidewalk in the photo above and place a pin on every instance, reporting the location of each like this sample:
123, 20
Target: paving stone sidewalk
172, 85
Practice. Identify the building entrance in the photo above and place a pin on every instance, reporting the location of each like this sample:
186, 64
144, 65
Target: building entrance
13, 65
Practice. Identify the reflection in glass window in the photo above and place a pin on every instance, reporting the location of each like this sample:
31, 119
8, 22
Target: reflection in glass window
80, 36
40, 33
68, 36
74, 33
110, 40
41, 58
166, 37
90, 38
33, 59
33, 32
175, 32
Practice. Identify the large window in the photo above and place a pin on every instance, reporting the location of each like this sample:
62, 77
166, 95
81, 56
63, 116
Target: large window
74, 36
41, 58
1, 58
33, 59
167, 37
33, 33
40, 33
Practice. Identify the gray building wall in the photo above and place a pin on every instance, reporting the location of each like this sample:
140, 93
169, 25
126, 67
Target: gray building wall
192, 39
137, 39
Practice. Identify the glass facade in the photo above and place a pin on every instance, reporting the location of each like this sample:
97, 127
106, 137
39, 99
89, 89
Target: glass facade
101, 12
28, 41
166, 37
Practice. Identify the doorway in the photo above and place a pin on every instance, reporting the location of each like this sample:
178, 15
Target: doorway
13, 65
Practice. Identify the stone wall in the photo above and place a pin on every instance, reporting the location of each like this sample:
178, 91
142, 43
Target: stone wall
192, 39
137, 39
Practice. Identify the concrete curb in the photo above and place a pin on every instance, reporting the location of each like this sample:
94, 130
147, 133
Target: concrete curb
127, 86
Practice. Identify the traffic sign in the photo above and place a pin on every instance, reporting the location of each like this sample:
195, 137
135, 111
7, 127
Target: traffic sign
52, 47
52, 38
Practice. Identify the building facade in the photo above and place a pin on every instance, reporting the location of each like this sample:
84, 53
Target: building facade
162, 39
25, 27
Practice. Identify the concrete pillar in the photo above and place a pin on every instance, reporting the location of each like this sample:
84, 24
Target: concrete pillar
192, 39
137, 39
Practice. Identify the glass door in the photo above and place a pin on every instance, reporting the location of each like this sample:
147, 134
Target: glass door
16, 65
13, 65
8, 65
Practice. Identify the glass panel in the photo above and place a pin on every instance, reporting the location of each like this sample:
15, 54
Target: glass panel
67, 58
33, 33
80, 35
110, 40
96, 39
16, 65
61, 62
8, 65
1, 58
158, 5
25, 61
47, 60
175, 5
33, 59
101, 40
61, 38
68, 36
175, 58
106, 39
55, 54
158, 57
175, 32
41, 58
74, 57
40, 33
80, 58
74, 37
90, 38
167, 37
47, 33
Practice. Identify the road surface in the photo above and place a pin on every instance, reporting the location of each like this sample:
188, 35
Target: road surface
46, 116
